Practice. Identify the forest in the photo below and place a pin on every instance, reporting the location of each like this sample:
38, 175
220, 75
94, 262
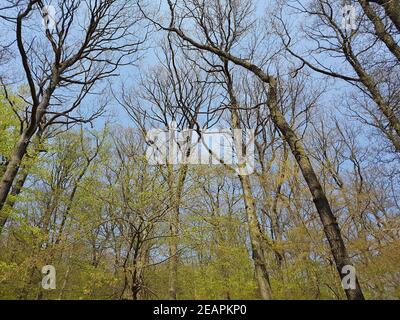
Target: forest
103, 107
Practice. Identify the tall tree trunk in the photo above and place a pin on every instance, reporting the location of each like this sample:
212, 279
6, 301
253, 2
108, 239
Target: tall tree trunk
275, 223
331, 228
173, 252
11, 173
393, 130
15, 191
174, 228
257, 237
22, 175
392, 10
380, 29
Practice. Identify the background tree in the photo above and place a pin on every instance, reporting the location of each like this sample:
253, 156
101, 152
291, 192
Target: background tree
80, 57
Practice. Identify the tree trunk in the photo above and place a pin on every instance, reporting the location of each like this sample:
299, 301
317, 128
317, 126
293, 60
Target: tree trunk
380, 29
10, 174
392, 10
174, 230
331, 228
257, 237
275, 223
173, 251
